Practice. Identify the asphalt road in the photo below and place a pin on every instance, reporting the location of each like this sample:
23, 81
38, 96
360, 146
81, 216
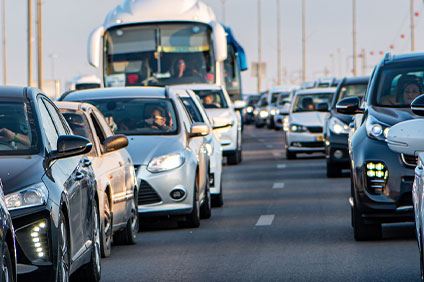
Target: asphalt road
282, 220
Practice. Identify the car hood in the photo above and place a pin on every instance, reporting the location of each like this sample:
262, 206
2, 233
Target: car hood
309, 118
144, 148
391, 116
18, 172
220, 115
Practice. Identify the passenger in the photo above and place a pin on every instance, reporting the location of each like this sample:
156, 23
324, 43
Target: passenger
409, 87
158, 120
209, 102
181, 68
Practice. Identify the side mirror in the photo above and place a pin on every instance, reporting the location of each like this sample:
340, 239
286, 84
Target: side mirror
407, 137
115, 142
71, 145
95, 46
322, 107
349, 106
417, 106
199, 129
239, 105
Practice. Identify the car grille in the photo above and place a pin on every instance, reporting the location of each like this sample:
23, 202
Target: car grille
147, 195
409, 160
315, 129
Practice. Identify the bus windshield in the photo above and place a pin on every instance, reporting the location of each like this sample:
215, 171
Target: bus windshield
158, 55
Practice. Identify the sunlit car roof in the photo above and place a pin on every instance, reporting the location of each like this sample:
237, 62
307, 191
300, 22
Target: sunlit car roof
316, 91
117, 92
197, 86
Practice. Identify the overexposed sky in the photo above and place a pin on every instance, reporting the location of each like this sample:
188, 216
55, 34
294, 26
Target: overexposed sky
67, 24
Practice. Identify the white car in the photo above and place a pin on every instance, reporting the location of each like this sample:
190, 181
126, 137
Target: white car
308, 114
272, 108
197, 113
225, 116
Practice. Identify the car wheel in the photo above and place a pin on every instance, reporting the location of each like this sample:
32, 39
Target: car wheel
206, 208
332, 170
363, 231
128, 236
290, 155
7, 267
106, 228
193, 219
63, 261
92, 271
233, 158
218, 200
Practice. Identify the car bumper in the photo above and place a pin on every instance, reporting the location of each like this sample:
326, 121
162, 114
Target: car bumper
305, 142
227, 138
155, 189
336, 149
394, 204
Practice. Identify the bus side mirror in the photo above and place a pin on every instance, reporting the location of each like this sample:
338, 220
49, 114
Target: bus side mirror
95, 46
219, 42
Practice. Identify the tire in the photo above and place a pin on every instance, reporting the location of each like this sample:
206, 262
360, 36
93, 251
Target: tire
332, 170
290, 155
92, 271
128, 236
233, 158
193, 219
218, 200
7, 267
106, 234
365, 232
206, 207
63, 258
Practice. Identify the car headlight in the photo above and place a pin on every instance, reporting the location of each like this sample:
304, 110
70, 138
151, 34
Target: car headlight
32, 196
249, 109
273, 112
286, 123
376, 129
337, 126
255, 112
263, 114
297, 128
165, 163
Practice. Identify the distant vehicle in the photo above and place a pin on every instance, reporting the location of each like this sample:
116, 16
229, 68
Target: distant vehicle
7, 243
337, 128
114, 171
272, 107
326, 82
251, 101
197, 113
49, 188
307, 85
284, 101
382, 179
84, 82
260, 112
168, 149
225, 116
407, 138
308, 114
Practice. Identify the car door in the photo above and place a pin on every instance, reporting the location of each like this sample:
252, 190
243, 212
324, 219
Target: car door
418, 194
67, 174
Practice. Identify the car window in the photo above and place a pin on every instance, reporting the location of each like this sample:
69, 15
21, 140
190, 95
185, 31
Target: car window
309, 102
192, 110
57, 120
212, 99
98, 129
78, 123
353, 90
49, 128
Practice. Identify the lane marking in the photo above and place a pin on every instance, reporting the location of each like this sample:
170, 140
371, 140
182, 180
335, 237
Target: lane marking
281, 166
265, 220
278, 185
269, 146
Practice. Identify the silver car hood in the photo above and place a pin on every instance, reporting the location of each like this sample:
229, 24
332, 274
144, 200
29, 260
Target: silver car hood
309, 118
221, 115
144, 148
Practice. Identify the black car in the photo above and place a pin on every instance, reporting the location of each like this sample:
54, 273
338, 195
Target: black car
251, 101
337, 128
49, 189
382, 179
7, 243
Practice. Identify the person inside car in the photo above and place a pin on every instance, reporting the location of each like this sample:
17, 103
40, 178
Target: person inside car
158, 120
308, 104
209, 102
409, 87
9, 135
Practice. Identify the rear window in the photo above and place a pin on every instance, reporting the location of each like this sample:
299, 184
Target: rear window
353, 90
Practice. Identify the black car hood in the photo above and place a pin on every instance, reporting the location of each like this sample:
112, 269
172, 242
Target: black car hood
391, 116
345, 118
17, 172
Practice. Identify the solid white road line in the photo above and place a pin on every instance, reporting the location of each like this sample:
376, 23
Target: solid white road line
265, 220
281, 166
278, 185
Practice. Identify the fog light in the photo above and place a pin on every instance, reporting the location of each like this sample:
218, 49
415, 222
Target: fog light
338, 154
178, 194
34, 241
377, 175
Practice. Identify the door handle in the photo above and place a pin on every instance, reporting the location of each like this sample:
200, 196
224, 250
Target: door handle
86, 162
79, 176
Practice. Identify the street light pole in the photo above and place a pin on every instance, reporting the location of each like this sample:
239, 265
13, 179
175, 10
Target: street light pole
30, 43
412, 15
303, 41
39, 44
4, 53
224, 12
259, 70
279, 55
355, 51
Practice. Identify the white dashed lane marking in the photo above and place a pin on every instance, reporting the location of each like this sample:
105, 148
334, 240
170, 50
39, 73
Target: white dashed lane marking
281, 166
278, 185
265, 220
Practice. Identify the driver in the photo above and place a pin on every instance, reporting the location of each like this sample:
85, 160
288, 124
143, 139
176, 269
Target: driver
209, 101
308, 104
409, 87
157, 119
11, 136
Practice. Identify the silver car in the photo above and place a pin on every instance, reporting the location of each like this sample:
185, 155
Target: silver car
167, 147
114, 172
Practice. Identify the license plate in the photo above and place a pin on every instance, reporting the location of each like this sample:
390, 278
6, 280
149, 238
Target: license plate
320, 138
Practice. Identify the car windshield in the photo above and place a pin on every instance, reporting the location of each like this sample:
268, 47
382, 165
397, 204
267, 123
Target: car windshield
274, 97
283, 98
252, 100
212, 99
398, 87
353, 90
310, 102
139, 116
18, 133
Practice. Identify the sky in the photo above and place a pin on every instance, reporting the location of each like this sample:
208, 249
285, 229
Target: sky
381, 23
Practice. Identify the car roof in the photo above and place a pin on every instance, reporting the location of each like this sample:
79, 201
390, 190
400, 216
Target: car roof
117, 92
202, 86
12, 92
286, 88
74, 106
403, 58
356, 80
316, 91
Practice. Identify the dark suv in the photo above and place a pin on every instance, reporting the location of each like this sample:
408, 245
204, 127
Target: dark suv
336, 129
382, 179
